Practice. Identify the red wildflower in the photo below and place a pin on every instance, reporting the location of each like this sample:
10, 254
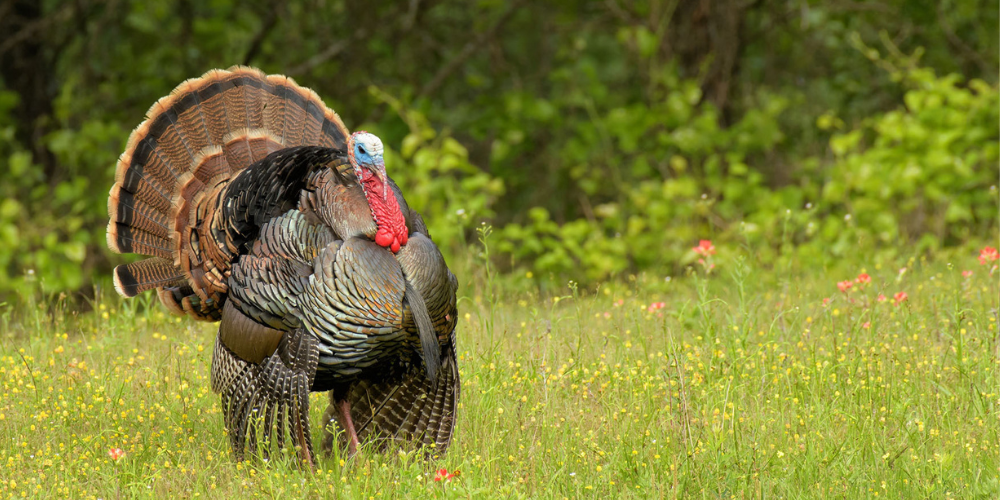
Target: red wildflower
966, 274
116, 453
881, 298
704, 248
826, 301
654, 306
864, 279
899, 298
845, 285
867, 325
444, 475
988, 254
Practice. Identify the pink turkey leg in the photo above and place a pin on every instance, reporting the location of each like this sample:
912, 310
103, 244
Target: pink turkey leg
344, 407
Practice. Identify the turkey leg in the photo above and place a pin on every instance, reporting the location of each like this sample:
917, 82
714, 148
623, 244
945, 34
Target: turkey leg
346, 423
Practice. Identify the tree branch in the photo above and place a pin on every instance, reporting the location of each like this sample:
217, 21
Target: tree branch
329, 53
60, 16
470, 48
411, 15
959, 44
265, 29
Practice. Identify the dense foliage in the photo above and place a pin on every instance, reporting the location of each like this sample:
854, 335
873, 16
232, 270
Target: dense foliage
598, 137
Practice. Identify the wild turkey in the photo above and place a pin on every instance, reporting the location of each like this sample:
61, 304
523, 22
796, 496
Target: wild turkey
259, 209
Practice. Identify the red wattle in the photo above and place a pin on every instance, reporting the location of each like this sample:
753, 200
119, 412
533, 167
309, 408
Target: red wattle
384, 238
392, 230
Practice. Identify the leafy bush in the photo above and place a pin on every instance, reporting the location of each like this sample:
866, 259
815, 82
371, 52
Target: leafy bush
53, 228
653, 221
922, 173
927, 170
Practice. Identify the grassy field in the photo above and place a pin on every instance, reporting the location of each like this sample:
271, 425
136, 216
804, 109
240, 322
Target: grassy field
740, 383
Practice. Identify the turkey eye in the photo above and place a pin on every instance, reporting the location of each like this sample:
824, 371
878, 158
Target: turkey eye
362, 150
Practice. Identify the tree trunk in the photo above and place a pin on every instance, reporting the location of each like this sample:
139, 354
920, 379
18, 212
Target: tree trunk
26, 69
705, 39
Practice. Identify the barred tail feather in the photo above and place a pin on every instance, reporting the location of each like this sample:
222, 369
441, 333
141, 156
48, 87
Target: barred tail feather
137, 277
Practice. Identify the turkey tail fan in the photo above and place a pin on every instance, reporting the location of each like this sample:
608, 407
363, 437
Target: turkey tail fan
405, 409
181, 158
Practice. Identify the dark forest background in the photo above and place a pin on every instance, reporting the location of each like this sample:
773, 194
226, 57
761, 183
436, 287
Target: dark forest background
594, 137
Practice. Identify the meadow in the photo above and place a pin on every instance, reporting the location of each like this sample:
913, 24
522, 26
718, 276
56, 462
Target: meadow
735, 380
838, 340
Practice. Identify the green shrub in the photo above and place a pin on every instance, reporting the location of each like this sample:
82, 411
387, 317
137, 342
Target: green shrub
926, 171
53, 228
667, 175
922, 173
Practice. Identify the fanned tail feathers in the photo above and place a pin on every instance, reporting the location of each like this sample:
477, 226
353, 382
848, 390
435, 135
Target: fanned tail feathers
178, 162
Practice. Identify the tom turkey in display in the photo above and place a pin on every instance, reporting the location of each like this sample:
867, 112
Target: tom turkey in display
260, 210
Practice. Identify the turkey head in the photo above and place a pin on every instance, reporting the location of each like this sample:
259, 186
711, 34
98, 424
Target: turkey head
364, 150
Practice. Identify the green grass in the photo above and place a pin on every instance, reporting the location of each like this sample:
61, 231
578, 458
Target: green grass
744, 385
